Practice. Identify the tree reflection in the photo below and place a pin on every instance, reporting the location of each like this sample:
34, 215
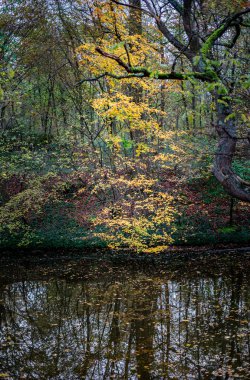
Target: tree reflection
127, 326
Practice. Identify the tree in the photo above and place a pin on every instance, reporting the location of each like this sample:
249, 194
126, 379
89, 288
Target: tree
204, 41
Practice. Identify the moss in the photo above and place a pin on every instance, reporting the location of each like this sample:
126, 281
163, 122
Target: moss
211, 74
208, 75
141, 69
208, 44
211, 65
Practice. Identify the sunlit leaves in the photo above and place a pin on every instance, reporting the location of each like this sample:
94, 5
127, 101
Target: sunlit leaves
138, 216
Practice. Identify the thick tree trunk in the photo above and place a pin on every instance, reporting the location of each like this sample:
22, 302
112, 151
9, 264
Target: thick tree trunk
226, 129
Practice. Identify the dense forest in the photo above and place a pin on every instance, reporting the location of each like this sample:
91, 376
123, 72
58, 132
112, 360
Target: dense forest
124, 123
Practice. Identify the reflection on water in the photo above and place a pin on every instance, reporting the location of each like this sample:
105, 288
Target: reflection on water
108, 322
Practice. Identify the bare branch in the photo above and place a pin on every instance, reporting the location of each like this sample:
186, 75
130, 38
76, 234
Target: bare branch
177, 6
134, 7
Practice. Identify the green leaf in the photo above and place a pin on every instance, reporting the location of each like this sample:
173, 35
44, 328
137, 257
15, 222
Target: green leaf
127, 144
11, 73
231, 116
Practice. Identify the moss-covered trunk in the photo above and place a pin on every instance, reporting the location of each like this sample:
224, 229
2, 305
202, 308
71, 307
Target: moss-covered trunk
226, 129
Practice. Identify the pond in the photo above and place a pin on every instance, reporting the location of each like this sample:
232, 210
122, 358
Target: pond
98, 319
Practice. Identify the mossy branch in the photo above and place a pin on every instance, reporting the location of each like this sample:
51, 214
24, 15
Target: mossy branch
138, 71
216, 34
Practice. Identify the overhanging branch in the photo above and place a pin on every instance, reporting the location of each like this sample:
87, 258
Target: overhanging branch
94, 79
143, 72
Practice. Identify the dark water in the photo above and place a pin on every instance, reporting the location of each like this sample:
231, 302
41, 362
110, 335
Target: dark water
81, 320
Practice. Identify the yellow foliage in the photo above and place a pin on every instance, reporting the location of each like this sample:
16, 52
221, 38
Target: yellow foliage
114, 38
156, 250
134, 210
139, 217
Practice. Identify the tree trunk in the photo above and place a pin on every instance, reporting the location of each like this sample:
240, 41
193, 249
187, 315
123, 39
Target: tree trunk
135, 28
226, 129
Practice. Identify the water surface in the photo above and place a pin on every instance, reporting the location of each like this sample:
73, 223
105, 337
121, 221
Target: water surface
77, 319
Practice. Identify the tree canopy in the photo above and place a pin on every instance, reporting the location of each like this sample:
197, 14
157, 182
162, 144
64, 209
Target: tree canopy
199, 42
